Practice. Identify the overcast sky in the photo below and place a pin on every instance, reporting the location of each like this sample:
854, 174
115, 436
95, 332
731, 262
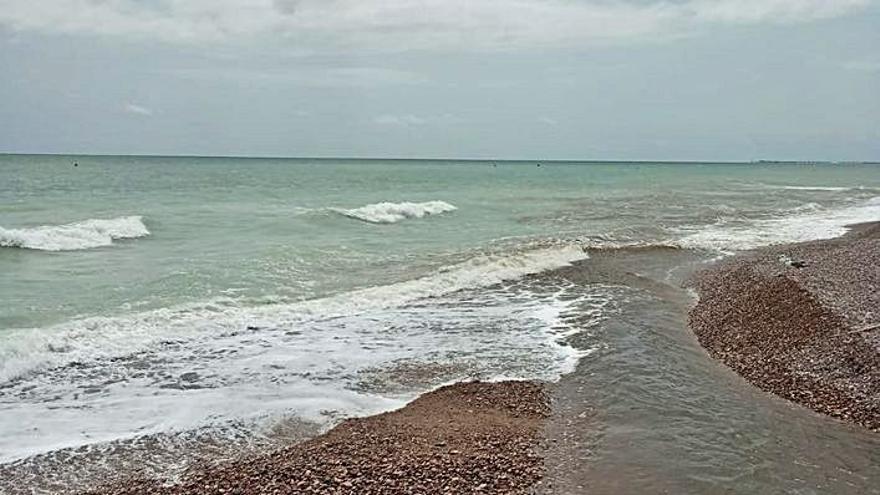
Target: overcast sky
542, 79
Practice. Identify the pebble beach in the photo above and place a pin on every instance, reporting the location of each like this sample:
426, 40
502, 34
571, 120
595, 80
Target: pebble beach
465, 438
801, 321
795, 320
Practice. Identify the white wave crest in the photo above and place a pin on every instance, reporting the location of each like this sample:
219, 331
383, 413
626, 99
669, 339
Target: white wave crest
87, 234
808, 222
805, 187
386, 212
814, 188
314, 359
23, 350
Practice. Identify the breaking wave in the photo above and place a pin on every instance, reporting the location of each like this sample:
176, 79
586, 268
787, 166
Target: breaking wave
316, 359
807, 222
23, 350
814, 188
87, 234
386, 212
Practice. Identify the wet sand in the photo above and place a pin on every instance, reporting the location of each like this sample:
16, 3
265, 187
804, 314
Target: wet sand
801, 321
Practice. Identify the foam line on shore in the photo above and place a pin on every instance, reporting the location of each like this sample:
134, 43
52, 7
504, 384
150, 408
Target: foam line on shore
804, 223
135, 373
22, 350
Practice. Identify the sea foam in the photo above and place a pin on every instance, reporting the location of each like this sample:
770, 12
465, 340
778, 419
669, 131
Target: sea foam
174, 369
813, 188
25, 350
807, 222
87, 234
386, 212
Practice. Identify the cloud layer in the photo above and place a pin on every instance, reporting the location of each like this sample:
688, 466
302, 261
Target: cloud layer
400, 25
137, 109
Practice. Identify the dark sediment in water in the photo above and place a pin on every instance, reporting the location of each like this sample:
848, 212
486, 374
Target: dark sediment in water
801, 321
466, 438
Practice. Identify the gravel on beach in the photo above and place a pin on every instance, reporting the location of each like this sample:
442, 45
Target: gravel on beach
801, 321
473, 437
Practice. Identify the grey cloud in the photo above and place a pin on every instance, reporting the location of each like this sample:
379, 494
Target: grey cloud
325, 77
441, 79
287, 7
399, 120
137, 109
401, 25
863, 65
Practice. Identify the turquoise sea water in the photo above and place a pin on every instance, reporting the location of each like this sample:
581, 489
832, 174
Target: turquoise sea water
140, 294
267, 230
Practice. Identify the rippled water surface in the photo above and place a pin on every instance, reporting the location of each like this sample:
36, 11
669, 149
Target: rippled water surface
650, 412
170, 309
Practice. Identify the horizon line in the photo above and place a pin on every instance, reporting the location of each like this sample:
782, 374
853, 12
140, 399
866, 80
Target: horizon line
446, 159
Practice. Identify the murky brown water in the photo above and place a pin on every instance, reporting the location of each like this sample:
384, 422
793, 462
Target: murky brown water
651, 412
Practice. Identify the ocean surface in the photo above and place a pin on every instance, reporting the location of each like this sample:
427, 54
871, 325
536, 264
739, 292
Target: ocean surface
150, 303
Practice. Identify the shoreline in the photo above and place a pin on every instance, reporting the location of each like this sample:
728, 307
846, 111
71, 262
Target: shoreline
800, 321
531, 437
470, 437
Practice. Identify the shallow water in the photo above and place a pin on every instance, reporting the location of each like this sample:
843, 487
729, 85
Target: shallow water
651, 412
190, 298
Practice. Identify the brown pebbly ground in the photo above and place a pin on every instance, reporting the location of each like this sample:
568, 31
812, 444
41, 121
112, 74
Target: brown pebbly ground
808, 331
465, 438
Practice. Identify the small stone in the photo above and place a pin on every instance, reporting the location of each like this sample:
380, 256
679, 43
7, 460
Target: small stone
189, 377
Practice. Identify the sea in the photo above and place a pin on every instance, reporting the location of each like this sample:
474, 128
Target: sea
155, 311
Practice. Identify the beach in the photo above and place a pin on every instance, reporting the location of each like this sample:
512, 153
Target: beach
233, 334
567, 437
373, 247
465, 438
801, 321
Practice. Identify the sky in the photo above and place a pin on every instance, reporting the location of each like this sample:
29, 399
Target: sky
498, 79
